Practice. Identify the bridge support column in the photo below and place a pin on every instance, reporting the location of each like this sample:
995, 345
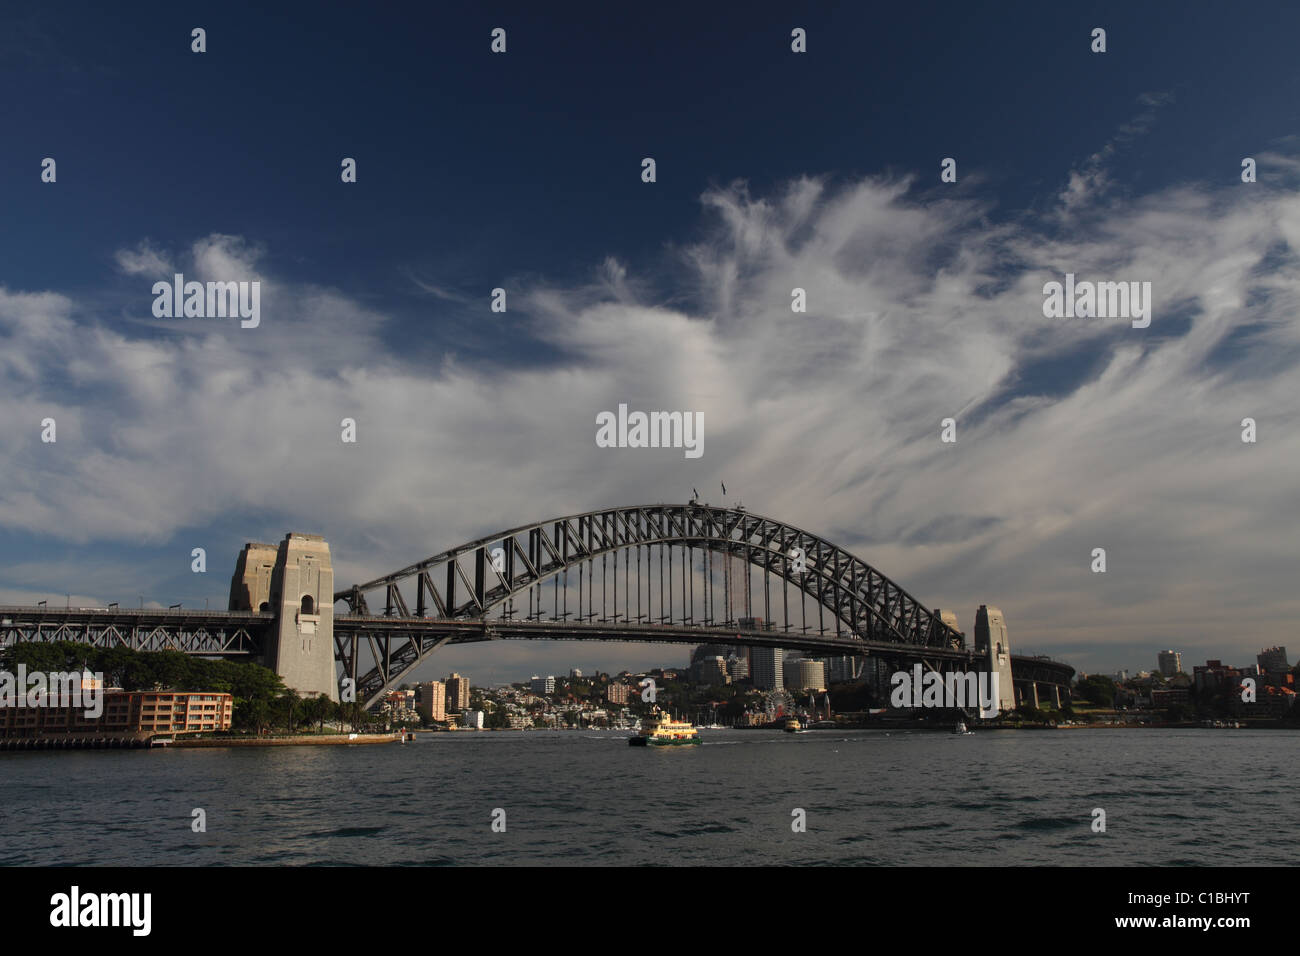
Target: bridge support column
300, 591
991, 642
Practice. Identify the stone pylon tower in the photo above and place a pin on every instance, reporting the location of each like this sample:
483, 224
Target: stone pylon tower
250, 588
950, 618
296, 583
991, 641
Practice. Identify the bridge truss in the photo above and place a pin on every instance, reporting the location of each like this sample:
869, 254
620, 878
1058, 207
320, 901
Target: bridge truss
673, 562
205, 633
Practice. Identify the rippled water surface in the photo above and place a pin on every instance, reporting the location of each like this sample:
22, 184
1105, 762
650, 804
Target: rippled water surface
871, 797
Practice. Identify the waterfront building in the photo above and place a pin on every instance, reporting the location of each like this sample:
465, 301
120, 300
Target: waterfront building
1170, 663
125, 712
1213, 675
471, 719
1163, 698
457, 693
432, 704
400, 701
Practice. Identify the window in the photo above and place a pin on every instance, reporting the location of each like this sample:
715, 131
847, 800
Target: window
308, 604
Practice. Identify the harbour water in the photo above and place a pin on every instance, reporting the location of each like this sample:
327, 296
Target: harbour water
1171, 797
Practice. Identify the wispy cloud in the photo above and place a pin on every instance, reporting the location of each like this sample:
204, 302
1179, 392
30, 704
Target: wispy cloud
1091, 179
917, 311
144, 259
435, 290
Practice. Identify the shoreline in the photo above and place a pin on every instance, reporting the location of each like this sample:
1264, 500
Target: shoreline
336, 740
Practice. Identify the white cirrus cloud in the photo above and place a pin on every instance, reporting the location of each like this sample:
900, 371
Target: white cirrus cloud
1072, 434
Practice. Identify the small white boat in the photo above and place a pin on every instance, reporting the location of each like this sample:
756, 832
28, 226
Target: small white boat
961, 729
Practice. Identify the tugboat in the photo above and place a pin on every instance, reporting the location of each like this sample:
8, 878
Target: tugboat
660, 730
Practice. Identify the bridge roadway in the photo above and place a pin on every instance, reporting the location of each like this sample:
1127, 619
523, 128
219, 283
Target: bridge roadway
240, 633
398, 643
205, 633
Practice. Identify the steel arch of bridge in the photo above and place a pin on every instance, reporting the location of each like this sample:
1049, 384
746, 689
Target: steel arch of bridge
465, 583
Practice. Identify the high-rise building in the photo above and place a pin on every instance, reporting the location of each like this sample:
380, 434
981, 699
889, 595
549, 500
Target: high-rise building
1171, 663
710, 650
844, 668
1214, 675
805, 674
457, 693
432, 700
541, 686
617, 693
991, 641
738, 664
711, 671
767, 668
1272, 660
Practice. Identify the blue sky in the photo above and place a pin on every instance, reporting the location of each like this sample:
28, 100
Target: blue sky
775, 170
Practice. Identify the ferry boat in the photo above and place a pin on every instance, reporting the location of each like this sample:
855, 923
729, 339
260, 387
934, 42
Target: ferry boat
660, 730
791, 725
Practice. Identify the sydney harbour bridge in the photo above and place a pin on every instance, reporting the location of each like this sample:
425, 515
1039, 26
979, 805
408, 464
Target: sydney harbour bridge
665, 573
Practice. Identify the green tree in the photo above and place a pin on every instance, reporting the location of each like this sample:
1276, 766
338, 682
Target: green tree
289, 703
1177, 713
254, 715
1097, 689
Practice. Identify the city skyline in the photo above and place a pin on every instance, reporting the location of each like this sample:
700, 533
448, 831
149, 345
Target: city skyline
1274, 654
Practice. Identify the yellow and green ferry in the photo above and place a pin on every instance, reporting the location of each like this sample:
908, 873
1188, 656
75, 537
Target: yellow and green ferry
660, 730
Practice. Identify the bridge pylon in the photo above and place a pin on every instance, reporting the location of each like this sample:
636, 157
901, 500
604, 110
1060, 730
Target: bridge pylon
297, 585
992, 642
